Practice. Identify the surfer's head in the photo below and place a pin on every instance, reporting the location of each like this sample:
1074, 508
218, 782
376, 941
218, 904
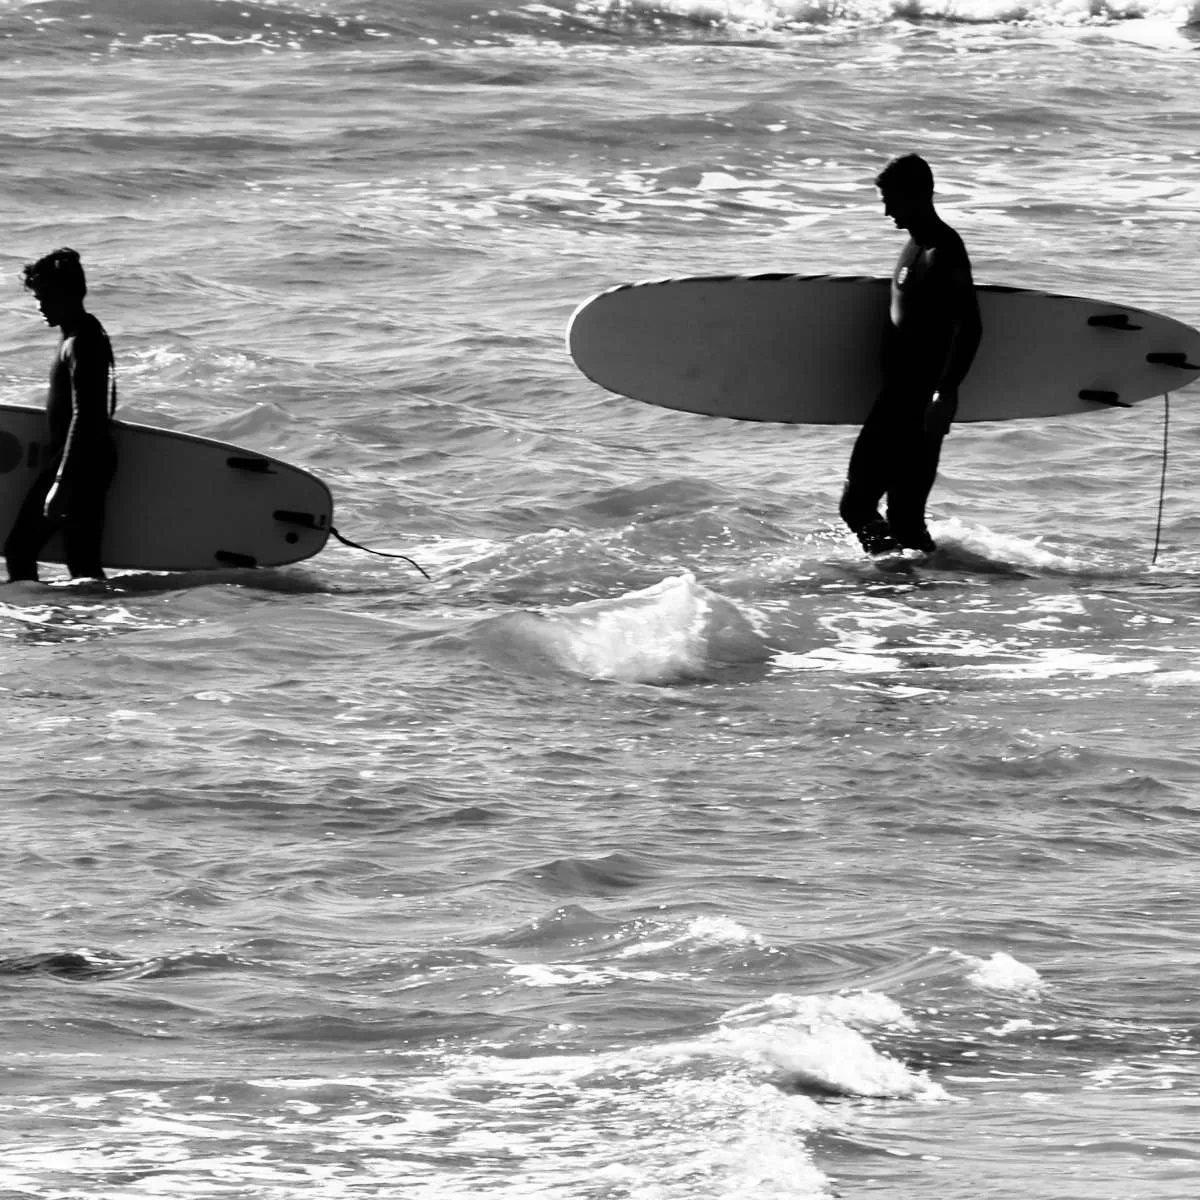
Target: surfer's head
58, 282
906, 186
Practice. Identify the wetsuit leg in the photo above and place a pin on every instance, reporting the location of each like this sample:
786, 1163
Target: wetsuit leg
866, 479
30, 530
875, 463
83, 524
910, 488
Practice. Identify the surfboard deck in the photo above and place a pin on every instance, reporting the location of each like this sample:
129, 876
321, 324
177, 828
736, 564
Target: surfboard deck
805, 349
179, 502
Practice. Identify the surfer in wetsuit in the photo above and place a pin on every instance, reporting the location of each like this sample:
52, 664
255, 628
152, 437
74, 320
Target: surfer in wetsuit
79, 460
928, 346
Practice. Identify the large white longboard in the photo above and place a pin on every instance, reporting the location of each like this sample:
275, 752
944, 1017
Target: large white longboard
805, 349
179, 502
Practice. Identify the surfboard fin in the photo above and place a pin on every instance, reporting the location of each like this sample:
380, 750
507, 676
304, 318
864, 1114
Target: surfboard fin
306, 520
230, 559
1117, 321
260, 466
1172, 358
1109, 398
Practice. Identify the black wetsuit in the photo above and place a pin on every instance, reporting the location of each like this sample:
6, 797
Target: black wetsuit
80, 450
894, 456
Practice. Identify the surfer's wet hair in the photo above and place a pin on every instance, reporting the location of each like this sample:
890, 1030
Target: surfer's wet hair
60, 270
908, 171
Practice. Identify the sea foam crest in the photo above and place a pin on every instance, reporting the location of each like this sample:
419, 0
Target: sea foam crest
1002, 973
782, 14
674, 630
701, 1133
999, 972
980, 547
816, 1044
698, 933
861, 1010
577, 975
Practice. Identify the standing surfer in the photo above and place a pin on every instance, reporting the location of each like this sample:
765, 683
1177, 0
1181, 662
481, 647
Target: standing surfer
928, 346
79, 460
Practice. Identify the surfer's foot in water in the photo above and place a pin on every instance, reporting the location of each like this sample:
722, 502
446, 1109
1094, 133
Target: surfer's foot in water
922, 542
913, 535
876, 538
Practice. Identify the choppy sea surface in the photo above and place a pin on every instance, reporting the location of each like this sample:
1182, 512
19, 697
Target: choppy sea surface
658, 847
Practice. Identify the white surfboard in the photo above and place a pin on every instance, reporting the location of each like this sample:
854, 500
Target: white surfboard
179, 502
805, 349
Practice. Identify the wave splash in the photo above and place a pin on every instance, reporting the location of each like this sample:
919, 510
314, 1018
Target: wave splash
820, 1045
274, 26
674, 631
782, 15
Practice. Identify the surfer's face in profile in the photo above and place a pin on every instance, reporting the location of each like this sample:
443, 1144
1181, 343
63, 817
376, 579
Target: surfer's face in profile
58, 285
51, 304
902, 204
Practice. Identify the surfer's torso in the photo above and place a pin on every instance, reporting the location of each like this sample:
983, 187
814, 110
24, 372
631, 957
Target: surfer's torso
924, 311
77, 401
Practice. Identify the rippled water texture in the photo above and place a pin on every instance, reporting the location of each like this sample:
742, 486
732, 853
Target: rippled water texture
657, 846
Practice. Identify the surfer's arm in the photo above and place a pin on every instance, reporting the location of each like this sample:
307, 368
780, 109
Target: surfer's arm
967, 329
87, 362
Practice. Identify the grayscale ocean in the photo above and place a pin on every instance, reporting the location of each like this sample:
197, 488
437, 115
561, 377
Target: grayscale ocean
658, 847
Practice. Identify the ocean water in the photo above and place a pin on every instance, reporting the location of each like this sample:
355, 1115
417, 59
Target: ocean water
657, 847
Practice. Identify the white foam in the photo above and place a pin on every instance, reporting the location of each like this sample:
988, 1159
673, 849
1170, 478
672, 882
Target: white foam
862, 1010
1017, 1025
720, 1134
1058, 661
832, 658
543, 975
550, 975
780, 14
676, 629
1000, 549
1002, 973
700, 932
836, 1058
817, 1043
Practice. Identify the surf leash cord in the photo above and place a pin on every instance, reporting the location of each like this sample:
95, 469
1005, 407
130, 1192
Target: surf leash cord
381, 553
309, 521
1162, 482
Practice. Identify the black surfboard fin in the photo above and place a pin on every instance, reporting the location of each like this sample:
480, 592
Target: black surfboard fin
1172, 358
1117, 321
232, 559
260, 466
1109, 398
292, 517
